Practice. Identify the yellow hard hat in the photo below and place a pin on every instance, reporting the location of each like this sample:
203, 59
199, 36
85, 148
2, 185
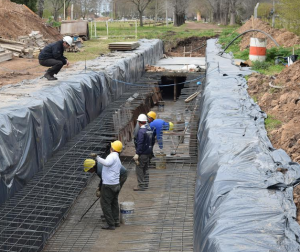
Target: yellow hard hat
117, 146
171, 126
152, 114
88, 164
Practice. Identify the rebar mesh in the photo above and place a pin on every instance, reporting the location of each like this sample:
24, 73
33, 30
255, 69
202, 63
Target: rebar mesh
33, 215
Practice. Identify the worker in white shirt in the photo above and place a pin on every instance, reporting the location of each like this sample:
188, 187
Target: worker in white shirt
111, 186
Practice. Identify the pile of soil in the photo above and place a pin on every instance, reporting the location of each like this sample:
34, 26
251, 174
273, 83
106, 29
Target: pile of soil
283, 37
279, 97
19, 20
189, 47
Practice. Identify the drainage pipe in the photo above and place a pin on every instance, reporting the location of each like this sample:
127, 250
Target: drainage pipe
247, 32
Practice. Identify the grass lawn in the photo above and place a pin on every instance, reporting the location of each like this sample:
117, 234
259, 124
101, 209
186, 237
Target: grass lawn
122, 31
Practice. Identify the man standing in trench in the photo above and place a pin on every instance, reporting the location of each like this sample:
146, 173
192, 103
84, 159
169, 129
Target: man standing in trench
53, 56
143, 146
111, 186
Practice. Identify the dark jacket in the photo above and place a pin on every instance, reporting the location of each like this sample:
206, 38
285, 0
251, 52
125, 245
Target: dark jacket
53, 51
144, 141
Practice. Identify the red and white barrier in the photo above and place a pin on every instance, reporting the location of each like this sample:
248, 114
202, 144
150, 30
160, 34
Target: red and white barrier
258, 49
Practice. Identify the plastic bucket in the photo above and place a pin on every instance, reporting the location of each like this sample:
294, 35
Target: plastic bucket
127, 211
258, 49
161, 106
160, 161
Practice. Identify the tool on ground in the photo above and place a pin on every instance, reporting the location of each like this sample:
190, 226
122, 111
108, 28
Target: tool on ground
173, 152
89, 208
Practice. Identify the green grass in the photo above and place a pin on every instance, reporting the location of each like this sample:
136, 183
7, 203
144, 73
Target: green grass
122, 31
268, 67
271, 123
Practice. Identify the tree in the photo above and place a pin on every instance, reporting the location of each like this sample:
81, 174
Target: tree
232, 12
156, 8
40, 11
290, 14
31, 4
179, 11
58, 5
141, 5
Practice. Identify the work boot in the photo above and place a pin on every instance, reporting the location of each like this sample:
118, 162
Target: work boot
107, 227
49, 76
138, 189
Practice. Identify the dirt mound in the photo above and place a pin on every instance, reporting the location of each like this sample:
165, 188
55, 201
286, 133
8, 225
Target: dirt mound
184, 47
282, 36
280, 98
19, 20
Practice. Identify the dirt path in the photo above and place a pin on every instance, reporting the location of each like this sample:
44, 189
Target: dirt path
202, 26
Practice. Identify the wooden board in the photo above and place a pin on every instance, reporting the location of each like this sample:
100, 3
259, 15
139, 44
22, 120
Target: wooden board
4, 56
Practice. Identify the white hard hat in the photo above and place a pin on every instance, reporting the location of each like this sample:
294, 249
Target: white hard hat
68, 39
142, 118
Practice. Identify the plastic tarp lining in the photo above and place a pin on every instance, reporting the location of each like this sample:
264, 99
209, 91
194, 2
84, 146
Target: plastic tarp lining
242, 203
34, 128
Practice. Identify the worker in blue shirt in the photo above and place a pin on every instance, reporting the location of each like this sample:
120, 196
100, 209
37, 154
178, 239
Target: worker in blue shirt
159, 125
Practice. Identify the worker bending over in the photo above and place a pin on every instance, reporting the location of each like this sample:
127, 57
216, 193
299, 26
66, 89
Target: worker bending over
143, 146
158, 126
53, 56
111, 186
90, 165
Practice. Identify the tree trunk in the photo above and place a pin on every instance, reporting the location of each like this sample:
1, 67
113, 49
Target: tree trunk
41, 8
55, 15
232, 18
141, 18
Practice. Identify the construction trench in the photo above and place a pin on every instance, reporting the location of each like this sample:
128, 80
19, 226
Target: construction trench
223, 190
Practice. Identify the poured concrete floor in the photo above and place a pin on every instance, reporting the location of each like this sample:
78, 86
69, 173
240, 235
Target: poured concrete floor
163, 215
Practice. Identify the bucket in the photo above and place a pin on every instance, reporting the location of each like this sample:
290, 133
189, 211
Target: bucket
160, 161
127, 211
161, 106
258, 49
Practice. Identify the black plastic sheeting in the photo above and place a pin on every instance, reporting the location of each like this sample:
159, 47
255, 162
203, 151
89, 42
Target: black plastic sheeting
242, 203
38, 126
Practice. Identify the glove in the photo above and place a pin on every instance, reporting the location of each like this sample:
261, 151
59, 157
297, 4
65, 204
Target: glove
93, 155
136, 159
160, 152
98, 193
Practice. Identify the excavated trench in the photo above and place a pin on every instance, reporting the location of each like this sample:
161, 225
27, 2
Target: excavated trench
220, 191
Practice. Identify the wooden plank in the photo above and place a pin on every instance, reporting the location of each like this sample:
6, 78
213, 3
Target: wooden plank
5, 56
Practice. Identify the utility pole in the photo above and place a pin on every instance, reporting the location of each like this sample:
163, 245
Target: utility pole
156, 9
72, 10
273, 17
64, 9
255, 10
166, 12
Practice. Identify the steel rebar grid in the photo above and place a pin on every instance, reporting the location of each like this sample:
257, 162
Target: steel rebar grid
29, 218
171, 215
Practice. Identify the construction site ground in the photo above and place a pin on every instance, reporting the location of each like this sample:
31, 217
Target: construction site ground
163, 214
278, 95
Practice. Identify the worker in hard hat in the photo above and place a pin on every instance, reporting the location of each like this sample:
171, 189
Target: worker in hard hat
111, 185
90, 165
158, 126
143, 146
53, 56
